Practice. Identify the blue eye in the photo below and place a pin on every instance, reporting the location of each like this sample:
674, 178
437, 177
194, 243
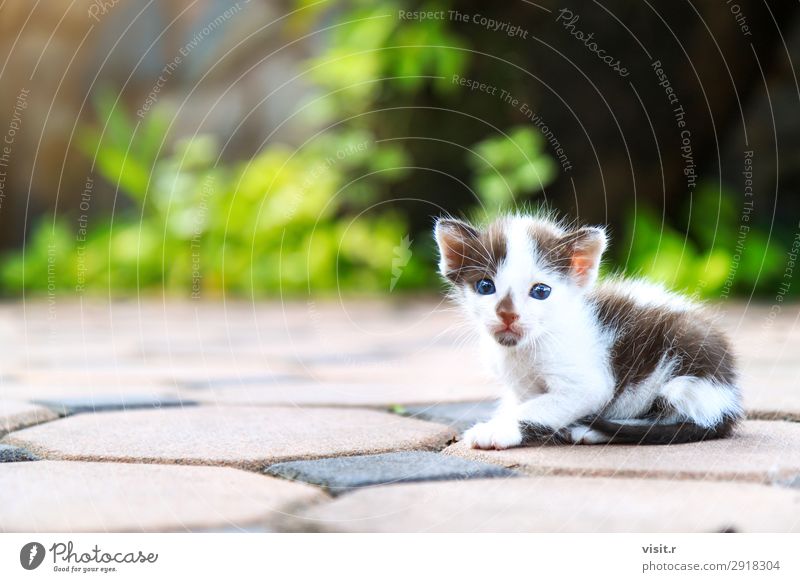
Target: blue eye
540, 291
484, 287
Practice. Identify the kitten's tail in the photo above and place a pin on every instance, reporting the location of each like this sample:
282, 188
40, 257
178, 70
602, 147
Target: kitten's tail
656, 433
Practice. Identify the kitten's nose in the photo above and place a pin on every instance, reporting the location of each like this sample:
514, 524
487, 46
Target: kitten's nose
507, 317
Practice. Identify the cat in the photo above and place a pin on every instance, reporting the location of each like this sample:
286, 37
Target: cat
583, 361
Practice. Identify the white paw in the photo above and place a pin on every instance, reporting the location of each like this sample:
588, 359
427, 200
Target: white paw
583, 435
495, 434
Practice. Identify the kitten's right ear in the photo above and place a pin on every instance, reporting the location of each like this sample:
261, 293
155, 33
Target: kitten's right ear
586, 246
457, 241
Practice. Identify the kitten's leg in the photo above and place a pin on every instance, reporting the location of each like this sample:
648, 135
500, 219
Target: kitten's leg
542, 417
580, 434
501, 432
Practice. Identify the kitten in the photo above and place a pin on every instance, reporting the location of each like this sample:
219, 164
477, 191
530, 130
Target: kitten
584, 362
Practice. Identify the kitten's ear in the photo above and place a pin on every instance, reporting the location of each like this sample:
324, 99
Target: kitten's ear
456, 240
586, 246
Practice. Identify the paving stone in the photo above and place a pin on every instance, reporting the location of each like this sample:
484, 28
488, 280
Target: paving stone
760, 451
458, 370
341, 474
379, 394
9, 454
161, 373
793, 482
54, 386
255, 381
772, 394
558, 504
57, 496
235, 436
459, 415
108, 402
15, 415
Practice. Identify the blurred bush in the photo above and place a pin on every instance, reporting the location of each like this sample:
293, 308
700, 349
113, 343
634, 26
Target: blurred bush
325, 215
290, 219
282, 221
719, 254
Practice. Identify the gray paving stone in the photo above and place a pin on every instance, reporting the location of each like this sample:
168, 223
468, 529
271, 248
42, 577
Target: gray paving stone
459, 415
9, 454
341, 474
109, 402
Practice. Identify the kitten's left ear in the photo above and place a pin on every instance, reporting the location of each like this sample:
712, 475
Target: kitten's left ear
586, 246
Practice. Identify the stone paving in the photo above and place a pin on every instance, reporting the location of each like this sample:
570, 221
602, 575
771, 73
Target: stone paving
338, 415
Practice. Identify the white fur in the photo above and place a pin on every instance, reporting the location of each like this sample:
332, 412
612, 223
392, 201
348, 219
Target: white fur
633, 403
581, 434
560, 370
702, 401
649, 294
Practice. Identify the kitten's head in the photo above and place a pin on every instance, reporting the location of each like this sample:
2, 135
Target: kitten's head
519, 276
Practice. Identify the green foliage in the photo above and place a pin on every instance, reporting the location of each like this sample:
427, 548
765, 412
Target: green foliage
509, 167
278, 222
370, 44
718, 254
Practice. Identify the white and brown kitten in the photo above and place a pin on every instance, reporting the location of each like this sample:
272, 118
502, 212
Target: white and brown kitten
582, 361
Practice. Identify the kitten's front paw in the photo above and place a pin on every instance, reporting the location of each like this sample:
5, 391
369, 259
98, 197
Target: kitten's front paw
495, 434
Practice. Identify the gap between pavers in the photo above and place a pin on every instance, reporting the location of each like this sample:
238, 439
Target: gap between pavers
15, 415
249, 438
71, 496
760, 451
557, 505
343, 474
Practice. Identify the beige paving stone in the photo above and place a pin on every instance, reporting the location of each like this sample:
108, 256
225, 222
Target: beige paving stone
15, 415
63, 385
60, 496
761, 451
559, 504
183, 369
445, 366
234, 436
772, 393
366, 394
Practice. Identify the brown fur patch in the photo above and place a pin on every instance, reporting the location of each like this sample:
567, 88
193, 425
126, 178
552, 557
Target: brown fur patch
644, 335
574, 253
472, 255
552, 245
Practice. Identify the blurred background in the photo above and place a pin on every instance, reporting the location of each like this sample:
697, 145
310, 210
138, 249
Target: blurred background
281, 148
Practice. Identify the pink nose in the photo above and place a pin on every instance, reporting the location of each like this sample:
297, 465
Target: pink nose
507, 317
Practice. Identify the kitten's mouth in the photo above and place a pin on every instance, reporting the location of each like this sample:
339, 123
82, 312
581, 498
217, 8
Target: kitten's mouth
507, 337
